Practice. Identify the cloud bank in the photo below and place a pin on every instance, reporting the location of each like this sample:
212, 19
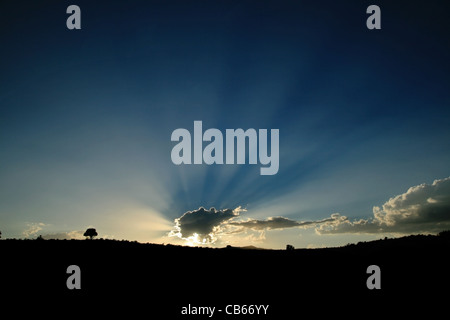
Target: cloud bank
282, 223
422, 209
204, 226
34, 228
65, 235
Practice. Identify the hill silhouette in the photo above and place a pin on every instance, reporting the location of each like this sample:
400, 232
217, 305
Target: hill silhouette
124, 276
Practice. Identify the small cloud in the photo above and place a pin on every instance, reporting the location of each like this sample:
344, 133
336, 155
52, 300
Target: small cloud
431, 200
33, 228
421, 209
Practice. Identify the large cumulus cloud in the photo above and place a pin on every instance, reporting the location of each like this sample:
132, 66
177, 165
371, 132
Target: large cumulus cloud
202, 225
421, 209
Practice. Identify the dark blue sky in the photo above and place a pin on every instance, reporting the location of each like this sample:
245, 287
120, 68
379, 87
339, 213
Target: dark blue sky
86, 115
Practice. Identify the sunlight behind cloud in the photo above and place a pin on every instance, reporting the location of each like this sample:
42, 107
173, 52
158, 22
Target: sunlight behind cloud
202, 226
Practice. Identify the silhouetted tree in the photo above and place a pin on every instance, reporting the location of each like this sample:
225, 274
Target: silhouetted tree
0, 234
289, 247
91, 233
39, 237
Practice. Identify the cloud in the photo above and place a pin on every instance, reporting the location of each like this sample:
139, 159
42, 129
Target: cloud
282, 223
421, 209
204, 226
33, 228
201, 226
64, 235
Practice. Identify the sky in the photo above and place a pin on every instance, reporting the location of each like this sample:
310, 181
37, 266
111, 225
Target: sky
86, 118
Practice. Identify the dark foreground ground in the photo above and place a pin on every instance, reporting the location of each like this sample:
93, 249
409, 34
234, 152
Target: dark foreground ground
145, 281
